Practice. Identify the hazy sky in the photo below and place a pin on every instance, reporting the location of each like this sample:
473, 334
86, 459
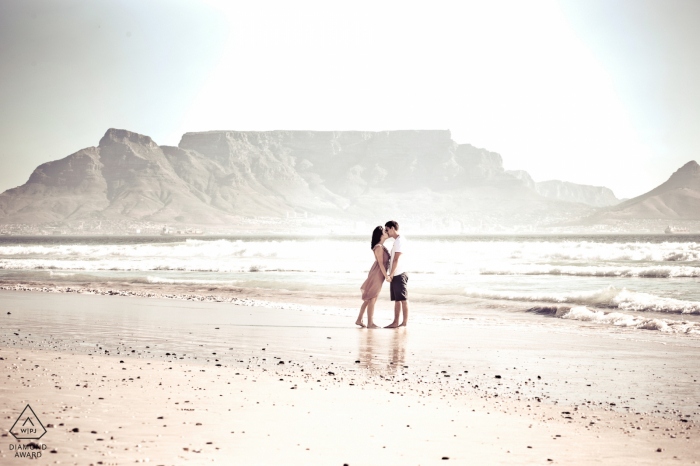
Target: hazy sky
595, 92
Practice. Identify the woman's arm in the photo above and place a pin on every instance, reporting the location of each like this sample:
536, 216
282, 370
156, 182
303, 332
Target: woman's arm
379, 254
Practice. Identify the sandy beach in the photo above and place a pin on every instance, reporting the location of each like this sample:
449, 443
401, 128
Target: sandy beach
204, 204
203, 382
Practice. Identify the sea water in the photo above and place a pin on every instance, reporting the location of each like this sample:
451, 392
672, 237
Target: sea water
637, 282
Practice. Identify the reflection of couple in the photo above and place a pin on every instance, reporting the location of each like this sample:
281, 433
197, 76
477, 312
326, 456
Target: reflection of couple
389, 267
376, 349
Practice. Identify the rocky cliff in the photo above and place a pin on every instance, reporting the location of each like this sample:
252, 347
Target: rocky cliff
214, 177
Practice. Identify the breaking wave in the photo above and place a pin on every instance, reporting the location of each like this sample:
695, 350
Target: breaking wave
147, 265
424, 251
619, 319
610, 297
170, 281
661, 271
595, 252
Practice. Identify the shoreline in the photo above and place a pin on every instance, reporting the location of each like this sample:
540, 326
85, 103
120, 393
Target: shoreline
682, 329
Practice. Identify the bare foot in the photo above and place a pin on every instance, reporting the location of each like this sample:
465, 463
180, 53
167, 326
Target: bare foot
373, 326
392, 325
403, 325
359, 322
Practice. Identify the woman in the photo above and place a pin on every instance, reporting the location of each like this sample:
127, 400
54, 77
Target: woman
377, 274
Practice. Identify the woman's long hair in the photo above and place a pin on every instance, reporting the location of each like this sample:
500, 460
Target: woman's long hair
377, 235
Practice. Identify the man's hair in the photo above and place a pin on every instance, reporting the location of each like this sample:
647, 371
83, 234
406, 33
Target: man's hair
392, 224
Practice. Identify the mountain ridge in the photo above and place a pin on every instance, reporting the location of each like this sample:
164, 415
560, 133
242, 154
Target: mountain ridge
596, 196
216, 177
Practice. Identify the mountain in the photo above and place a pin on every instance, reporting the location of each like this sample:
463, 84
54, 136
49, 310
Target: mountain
596, 196
524, 177
676, 199
216, 177
354, 172
126, 176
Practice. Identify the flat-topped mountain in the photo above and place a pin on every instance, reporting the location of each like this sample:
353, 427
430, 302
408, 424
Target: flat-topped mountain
676, 199
217, 176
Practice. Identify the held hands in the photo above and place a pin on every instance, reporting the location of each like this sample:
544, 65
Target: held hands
389, 278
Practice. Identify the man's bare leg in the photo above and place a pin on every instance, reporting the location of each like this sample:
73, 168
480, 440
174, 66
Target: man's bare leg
397, 311
370, 313
362, 314
404, 306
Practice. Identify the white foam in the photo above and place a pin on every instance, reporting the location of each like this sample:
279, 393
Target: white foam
444, 265
167, 264
619, 319
596, 252
61, 274
169, 281
656, 271
611, 297
196, 256
428, 256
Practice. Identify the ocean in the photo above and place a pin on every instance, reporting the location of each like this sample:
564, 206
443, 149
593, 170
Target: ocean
634, 284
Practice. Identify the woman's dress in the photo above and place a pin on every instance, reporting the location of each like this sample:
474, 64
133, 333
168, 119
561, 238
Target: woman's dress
373, 285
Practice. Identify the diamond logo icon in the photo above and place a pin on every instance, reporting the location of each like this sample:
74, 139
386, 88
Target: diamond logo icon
28, 426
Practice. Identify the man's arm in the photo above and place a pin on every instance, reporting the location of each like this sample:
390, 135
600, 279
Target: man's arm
396, 261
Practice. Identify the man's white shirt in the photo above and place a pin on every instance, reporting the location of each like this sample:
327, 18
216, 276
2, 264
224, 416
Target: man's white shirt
399, 246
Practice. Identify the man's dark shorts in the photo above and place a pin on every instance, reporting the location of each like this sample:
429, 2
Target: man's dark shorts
398, 287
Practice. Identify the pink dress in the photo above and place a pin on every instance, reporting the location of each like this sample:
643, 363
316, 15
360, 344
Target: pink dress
373, 285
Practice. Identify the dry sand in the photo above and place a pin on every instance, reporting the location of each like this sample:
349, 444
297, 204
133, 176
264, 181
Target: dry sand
396, 406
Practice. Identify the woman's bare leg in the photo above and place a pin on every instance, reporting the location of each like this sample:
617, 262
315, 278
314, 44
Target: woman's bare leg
362, 314
370, 313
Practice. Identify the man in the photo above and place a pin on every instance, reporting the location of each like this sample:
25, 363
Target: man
398, 278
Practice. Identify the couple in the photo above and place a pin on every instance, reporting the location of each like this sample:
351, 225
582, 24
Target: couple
389, 267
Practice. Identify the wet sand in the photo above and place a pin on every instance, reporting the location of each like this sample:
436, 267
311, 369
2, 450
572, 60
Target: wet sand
415, 396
